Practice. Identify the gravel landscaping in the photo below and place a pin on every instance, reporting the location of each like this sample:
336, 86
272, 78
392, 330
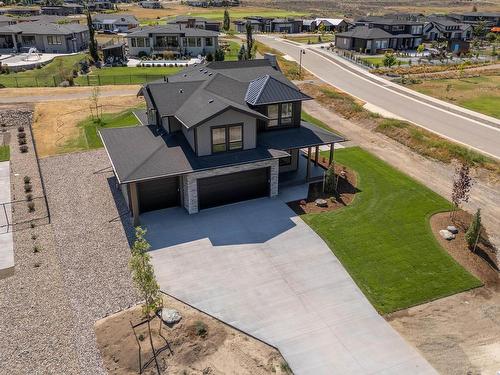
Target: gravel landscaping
68, 274
91, 244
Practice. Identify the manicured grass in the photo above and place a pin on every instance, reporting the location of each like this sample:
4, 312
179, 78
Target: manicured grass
384, 239
237, 13
44, 76
231, 54
311, 39
4, 153
379, 60
89, 138
125, 75
481, 94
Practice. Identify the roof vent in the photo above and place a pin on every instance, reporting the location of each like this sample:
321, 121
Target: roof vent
201, 70
181, 91
184, 75
210, 74
210, 100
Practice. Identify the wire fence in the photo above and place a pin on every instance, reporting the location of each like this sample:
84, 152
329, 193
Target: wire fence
7, 80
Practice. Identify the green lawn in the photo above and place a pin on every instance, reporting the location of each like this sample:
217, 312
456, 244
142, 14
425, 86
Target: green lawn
379, 60
383, 238
89, 138
4, 153
44, 76
125, 75
232, 53
481, 94
311, 39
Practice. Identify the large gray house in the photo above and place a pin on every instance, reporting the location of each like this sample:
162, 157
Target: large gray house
177, 39
45, 37
214, 134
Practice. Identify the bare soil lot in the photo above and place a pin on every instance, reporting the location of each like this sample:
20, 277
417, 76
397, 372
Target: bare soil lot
199, 345
458, 334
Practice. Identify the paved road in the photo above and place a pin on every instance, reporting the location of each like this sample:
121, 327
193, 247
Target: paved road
467, 127
269, 274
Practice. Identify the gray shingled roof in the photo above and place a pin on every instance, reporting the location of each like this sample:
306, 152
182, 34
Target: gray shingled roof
116, 18
268, 90
185, 18
365, 32
217, 87
167, 154
41, 28
171, 29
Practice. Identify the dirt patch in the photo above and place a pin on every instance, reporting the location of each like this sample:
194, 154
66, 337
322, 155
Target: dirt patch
198, 344
55, 123
346, 190
457, 334
482, 263
55, 91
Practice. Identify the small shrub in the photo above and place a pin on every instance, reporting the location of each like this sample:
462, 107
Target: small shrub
285, 367
21, 135
31, 206
21, 141
33, 236
36, 248
28, 188
32, 224
201, 328
20, 129
27, 179
23, 149
37, 264
29, 197
141, 337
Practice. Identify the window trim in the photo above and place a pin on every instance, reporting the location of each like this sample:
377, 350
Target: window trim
279, 124
227, 140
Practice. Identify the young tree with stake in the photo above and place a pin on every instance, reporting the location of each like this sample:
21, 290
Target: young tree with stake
462, 184
249, 41
474, 231
227, 21
145, 281
92, 41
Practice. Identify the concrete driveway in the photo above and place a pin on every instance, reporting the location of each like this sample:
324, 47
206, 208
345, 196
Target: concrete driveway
258, 267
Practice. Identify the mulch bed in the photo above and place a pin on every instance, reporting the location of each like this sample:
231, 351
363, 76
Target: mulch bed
482, 263
346, 190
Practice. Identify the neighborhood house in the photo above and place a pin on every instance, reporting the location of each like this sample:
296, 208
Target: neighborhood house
178, 40
214, 134
114, 23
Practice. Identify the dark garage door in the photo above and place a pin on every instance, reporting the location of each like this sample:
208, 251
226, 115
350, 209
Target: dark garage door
235, 187
157, 194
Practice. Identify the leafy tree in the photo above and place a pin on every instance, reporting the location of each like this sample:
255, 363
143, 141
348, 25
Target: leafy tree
92, 41
144, 278
462, 184
227, 21
420, 49
242, 53
480, 29
322, 28
474, 230
51, 3
474, 8
249, 35
389, 60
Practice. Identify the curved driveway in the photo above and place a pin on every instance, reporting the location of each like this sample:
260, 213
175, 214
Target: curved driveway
460, 125
258, 267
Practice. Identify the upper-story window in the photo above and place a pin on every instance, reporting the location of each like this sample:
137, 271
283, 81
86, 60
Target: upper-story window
280, 114
416, 29
227, 138
398, 28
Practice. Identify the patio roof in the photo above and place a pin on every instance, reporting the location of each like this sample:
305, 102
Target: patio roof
306, 135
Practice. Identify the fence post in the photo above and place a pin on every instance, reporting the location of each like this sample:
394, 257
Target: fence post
88, 81
55, 83
99, 79
17, 83
36, 81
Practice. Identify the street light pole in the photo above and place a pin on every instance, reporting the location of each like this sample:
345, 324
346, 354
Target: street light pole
302, 52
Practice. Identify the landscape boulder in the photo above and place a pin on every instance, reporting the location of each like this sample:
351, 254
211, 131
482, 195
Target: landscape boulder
321, 202
170, 316
446, 234
453, 229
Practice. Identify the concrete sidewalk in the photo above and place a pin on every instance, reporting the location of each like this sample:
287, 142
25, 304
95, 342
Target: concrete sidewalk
6, 241
258, 267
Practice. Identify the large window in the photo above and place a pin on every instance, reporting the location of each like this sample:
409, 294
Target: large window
209, 42
227, 138
54, 39
140, 42
193, 42
280, 114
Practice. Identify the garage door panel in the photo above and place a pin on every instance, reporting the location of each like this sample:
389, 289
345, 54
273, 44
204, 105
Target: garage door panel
158, 194
231, 188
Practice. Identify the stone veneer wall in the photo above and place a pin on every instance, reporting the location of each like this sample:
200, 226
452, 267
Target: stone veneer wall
190, 181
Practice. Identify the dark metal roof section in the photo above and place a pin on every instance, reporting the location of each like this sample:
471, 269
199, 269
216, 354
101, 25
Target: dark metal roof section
268, 90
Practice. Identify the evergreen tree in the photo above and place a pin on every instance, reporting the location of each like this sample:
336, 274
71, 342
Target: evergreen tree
227, 21
242, 53
329, 186
220, 55
249, 48
92, 41
472, 234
